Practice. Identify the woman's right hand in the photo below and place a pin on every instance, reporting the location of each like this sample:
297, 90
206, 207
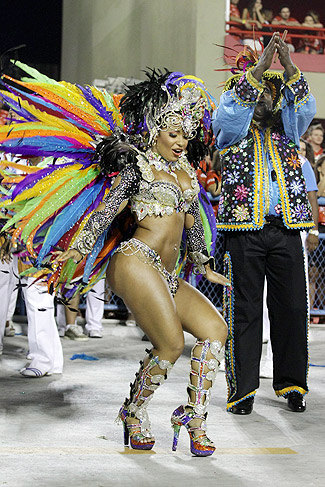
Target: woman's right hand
69, 254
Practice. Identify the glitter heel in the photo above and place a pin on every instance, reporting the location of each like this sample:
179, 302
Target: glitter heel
176, 428
205, 360
132, 433
200, 445
133, 413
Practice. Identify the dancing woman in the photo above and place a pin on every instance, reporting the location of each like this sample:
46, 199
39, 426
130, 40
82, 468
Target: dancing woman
165, 117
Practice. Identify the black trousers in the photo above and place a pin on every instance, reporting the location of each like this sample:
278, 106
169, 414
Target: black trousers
277, 254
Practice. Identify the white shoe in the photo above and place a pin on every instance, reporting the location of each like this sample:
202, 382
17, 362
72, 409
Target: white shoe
266, 370
61, 331
95, 334
130, 323
10, 330
31, 372
28, 356
74, 332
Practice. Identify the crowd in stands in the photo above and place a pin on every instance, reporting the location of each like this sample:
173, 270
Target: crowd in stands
254, 15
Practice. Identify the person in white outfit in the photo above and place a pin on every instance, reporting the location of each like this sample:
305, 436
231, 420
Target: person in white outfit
8, 282
95, 310
10, 328
44, 344
67, 318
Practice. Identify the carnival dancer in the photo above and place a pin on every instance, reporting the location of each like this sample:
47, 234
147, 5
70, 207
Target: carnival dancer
263, 207
139, 219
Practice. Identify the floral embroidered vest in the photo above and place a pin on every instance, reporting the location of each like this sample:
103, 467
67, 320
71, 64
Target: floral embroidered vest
245, 183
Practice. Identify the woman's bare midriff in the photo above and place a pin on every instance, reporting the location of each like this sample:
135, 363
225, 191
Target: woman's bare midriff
162, 234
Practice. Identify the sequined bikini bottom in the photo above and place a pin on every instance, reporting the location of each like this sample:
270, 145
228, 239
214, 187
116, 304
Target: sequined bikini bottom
150, 257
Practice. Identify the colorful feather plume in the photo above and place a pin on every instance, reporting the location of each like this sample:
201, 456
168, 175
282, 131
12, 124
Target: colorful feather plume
47, 208
56, 118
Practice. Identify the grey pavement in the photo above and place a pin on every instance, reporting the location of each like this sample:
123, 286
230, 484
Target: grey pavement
60, 430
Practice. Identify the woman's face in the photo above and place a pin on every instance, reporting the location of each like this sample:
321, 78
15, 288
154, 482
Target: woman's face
302, 148
170, 144
321, 169
309, 20
257, 4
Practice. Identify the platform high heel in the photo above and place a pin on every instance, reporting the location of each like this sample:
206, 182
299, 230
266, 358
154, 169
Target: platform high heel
134, 434
200, 444
193, 415
150, 376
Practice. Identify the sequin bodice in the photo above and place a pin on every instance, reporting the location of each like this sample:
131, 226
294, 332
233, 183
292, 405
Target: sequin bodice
148, 196
159, 197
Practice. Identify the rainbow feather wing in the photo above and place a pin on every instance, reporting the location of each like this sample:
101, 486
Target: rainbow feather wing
70, 192
57, 118
67, 218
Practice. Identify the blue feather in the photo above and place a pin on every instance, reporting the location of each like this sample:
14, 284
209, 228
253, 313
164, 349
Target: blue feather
54, 146
67, 218
93, 256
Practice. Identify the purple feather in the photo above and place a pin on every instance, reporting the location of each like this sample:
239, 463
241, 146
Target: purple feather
49, 107
102, 111
30, 180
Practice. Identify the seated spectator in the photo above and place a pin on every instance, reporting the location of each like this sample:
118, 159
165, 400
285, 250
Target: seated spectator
316, 18
268, 17
234, 12
307, 151
315, 136
284, 18
208, 177
320, 176
311, 46
253, 18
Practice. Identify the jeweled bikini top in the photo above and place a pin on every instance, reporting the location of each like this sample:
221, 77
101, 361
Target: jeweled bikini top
157, 197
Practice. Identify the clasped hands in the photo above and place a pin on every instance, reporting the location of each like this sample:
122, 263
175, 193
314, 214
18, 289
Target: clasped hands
276, 45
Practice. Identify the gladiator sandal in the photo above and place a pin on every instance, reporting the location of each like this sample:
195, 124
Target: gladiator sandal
193, 415
147, 380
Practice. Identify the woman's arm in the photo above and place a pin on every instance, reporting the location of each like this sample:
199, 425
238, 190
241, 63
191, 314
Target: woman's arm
198, 253
126, 185
245, 14
259, 15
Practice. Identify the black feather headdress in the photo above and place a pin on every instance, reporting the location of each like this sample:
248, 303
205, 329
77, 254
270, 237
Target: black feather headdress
144, 97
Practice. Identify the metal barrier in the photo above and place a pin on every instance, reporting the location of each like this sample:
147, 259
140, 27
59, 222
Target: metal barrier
317, 278
214, 291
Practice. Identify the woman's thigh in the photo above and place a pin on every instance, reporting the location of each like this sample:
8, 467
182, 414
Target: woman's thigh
146, 294
198, 315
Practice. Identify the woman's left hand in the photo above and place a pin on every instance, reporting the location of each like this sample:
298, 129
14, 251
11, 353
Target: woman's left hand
216, 278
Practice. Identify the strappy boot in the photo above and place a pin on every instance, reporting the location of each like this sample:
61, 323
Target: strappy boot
205, 360
147, 380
